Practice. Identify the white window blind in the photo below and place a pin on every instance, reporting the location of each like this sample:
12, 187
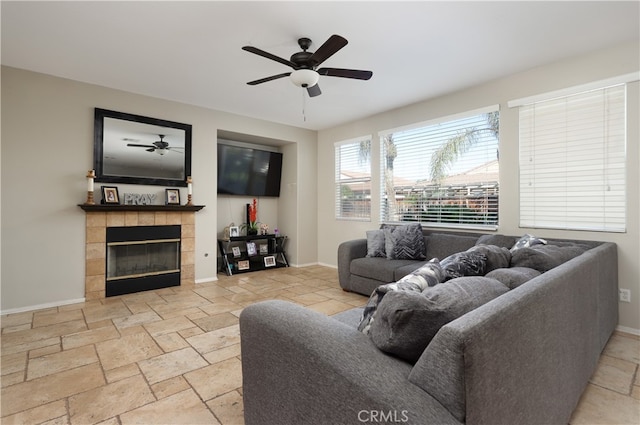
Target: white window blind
444, 172
353, 179
572, 161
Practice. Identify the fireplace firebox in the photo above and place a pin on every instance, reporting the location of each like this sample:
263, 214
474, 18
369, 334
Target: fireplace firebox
141, 258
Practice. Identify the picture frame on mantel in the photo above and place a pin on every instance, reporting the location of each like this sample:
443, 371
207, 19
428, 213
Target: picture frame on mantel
172, 197
110, 195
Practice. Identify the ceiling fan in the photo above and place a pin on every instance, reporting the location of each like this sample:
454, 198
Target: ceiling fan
305, 65
160, 146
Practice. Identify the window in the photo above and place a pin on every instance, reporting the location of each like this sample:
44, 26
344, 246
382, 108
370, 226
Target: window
353, 179
572, 161
443, 173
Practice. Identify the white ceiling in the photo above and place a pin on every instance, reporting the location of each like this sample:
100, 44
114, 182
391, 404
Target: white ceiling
190, 52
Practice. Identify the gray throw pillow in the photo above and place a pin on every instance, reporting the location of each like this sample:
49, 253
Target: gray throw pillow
375, 243
497, 240
404, 242
497, 257
407, 321
420, 279
514, 276
544, 257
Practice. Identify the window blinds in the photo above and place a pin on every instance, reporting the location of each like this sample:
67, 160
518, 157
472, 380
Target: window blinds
353, 179
572, 161
464, 192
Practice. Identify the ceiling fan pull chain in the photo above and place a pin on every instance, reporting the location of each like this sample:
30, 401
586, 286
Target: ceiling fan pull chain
304, 106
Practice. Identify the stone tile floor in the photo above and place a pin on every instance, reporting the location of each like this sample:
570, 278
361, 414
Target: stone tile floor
172, 356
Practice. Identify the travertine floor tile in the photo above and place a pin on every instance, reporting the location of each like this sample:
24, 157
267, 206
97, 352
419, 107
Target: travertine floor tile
218, 321
126, 350
215, 340
220, 378
172, 364
601, 406
89, 337
110, 400
64, 360
330, 307
111, 310
53, 317
164, 327
623, 347
614, 374
137, 319
228, 408
37, 415
30, 394
169, 387
182, 408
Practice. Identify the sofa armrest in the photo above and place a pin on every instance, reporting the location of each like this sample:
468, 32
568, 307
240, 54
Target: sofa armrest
302, 367
348, 251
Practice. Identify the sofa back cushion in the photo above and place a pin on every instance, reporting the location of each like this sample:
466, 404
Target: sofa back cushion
513, 277
406, 321
441, 245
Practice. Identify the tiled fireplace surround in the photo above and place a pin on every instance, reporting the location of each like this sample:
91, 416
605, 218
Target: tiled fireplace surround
96, 237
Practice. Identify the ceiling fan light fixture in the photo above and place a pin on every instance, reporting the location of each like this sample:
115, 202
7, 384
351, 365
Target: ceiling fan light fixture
161, 151
304, 77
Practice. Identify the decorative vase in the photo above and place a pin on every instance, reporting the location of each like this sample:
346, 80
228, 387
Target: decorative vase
252, 232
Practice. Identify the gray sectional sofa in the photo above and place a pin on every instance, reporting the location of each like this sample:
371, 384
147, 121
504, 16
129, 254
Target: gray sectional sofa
524, 357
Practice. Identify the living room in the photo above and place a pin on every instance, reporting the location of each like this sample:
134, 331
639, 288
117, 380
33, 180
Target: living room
48, 133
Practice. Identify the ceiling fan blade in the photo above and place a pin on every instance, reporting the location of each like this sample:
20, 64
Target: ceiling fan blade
346, 73
268, 55
151, 150
264, 80
331, 46
135, 145
314, 91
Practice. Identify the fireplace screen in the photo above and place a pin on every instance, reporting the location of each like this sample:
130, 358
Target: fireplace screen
142, 258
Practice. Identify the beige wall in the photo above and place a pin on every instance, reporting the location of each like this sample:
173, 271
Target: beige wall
47, 148
571, 72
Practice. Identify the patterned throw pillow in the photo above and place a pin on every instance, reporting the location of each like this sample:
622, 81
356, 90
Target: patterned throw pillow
426, 276
375, 243
527, 241
468, 263
404, 242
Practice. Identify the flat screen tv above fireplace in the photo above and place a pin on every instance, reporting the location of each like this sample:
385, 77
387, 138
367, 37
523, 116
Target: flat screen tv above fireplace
248, 171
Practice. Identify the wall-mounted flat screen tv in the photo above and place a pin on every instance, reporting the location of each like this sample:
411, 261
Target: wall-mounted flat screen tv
249, 172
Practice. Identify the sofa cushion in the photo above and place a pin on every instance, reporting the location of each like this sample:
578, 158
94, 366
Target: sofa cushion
440, 245
377, 268
502, 241
545, 257
430, 274
406, 321
375, 243
514, 276
404, 242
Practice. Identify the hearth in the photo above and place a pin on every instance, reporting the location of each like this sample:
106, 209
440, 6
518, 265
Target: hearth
141, 258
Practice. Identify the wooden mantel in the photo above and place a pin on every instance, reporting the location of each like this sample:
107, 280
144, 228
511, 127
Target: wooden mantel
115, 208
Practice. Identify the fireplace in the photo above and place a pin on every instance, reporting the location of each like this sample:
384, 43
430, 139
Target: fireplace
141, 258
100, 218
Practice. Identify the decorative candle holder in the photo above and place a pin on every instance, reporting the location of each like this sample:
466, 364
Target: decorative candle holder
189, 191
91, 174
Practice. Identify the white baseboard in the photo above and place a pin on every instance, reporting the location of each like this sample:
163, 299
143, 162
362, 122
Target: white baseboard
328, 265
627, 330
41, 306
207, 279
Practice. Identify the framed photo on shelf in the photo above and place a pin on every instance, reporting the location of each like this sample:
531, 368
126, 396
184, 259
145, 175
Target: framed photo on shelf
234, 231
236, 251
270, 261
243, 265
251, 248
172, 196
264, 249
110, 195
